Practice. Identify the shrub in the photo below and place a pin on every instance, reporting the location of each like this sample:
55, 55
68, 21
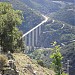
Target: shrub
64, 73
40, 62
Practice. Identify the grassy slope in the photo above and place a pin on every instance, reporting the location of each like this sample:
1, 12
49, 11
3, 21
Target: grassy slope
21, 60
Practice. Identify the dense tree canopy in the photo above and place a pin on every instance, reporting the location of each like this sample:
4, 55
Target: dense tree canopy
9, 20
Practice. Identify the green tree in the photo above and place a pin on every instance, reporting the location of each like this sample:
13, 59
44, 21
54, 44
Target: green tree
9, 20
57, 58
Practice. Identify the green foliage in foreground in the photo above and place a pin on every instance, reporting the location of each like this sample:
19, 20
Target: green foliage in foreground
57, 58
9, 33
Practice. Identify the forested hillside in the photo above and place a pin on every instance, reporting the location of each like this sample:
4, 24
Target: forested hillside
31, 17
66, 14
44, 6
69, 53
58, 31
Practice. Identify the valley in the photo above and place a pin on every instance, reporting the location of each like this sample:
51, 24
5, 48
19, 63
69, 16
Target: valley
57, 24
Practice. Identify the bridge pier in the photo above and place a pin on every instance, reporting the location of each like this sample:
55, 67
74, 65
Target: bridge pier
26, 40
29, 43
33, 39
39, 30
36, 36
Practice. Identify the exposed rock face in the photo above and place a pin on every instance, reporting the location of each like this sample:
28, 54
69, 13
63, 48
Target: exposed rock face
9, 68
10, 72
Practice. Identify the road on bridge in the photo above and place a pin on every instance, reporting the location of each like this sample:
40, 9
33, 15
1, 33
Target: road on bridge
44, 21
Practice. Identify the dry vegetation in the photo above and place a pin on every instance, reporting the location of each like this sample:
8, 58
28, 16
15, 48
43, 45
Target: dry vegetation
3, 61
22, 60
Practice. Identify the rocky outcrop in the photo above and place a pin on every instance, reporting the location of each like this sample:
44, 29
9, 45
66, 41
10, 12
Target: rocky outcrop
9, 68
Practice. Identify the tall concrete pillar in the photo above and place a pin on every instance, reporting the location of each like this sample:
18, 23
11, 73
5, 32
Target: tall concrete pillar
33, 38
36, 35
39, 30
26, 40
29, 43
